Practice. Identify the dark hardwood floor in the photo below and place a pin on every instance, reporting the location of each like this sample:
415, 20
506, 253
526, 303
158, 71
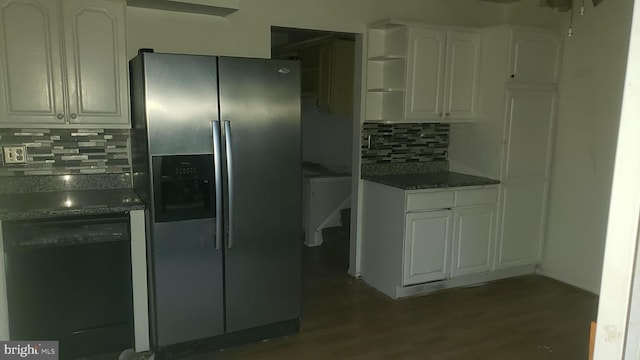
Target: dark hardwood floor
529, 317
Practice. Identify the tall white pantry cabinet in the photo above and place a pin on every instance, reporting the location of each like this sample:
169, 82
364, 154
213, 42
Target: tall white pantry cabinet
63, 63
513, 138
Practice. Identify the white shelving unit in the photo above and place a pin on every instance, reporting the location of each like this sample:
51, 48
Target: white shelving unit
386, 72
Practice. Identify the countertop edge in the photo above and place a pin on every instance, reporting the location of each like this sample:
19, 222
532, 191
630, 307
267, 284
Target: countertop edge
52, 213
475, 181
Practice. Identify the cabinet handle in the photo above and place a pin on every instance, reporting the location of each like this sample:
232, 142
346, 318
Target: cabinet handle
440, 114
513, 75
217, 164
447, 114
60, 116
73, 116
230, 192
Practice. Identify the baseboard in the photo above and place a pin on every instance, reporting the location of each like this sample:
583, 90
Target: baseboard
568, 282
463, 281
242, 337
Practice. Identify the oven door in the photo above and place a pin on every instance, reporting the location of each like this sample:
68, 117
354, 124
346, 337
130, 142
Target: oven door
69, 279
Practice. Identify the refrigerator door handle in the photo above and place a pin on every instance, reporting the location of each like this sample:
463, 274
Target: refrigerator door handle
217, 165
229, 155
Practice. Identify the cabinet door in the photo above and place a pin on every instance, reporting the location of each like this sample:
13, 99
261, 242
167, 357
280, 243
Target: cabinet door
96, 61
325, 61
463, 69
473, 238
342, 72
309, 71
425, 74
427, 247
535, 57
523, 223
30, 63
526, 170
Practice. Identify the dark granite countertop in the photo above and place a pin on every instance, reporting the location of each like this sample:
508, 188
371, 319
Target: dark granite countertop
432, 180
67, 203
310, 169
35, 197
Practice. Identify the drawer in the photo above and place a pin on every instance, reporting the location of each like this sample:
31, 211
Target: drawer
430, 201
476, 197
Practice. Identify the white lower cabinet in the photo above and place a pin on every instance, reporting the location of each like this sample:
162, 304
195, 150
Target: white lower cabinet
473, 239
427, 247
523, 223
423, 240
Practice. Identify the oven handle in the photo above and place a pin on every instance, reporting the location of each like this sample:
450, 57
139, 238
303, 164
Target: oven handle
217, 166
229, 154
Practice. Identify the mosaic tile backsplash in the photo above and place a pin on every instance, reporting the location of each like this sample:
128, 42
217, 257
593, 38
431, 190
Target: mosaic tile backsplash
68, 151
402, 143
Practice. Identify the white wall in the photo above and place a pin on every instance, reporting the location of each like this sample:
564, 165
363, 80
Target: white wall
618, 323
586, 131
530, 13
247, 32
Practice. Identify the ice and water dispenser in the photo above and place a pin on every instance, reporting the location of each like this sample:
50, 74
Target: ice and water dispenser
183, 187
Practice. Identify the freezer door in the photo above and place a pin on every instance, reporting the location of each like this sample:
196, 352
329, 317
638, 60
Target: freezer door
181, 99
260, 113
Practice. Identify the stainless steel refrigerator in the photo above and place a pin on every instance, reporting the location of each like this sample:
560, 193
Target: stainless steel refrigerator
216, 156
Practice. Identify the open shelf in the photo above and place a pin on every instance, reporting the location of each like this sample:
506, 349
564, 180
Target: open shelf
387, 43
386, 72
385, 90
388, 75
387, 58
384, 106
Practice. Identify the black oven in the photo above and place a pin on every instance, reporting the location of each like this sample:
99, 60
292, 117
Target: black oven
183, 187
69, 280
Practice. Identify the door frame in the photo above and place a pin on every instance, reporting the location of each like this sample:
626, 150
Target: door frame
359, 83
359, 98
618, 326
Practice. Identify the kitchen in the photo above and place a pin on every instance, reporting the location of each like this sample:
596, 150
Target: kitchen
583, 156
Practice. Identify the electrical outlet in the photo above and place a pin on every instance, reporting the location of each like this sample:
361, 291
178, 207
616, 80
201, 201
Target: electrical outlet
15, 154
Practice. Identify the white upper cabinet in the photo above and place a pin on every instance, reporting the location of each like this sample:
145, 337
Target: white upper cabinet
422, 74
96, 62
463, 72
535, 57
63, 63
30, 63
425, 78
443, 74
327, 69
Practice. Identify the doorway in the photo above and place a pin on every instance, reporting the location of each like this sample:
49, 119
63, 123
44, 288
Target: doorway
327, 73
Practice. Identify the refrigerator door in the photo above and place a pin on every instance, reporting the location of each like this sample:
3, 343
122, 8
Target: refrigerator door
188, 282
181, 102
260, 112
181, 98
